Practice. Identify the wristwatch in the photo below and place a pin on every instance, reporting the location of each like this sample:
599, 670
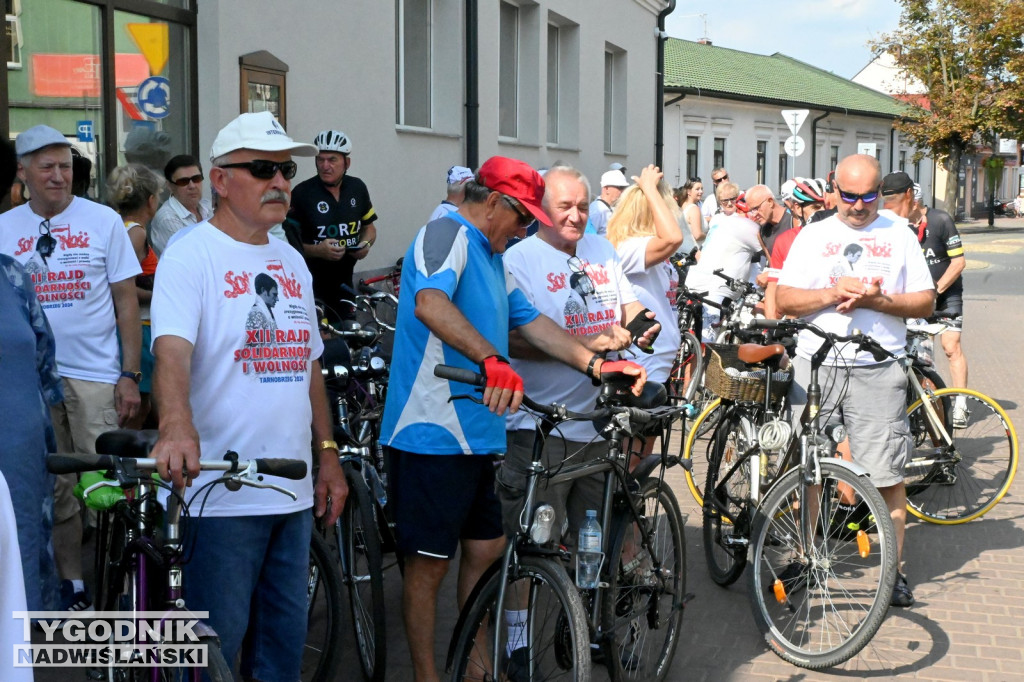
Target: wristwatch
328, 445
134, 376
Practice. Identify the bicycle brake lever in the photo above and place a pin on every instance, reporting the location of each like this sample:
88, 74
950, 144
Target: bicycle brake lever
466, 396
242, 480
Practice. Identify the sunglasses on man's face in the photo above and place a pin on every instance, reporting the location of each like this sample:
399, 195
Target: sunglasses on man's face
265, 170
185, 182
718, 180
851, 198
728, 200
524, 216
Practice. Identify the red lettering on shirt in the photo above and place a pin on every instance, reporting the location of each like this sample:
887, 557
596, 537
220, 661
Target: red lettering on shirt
25, 244
832, 248
557, 281
883, 250
239, 284
598, 274
290, 286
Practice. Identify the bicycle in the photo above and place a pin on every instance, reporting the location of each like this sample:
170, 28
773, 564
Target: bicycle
634, 615
139, 561
356, 387
819, 594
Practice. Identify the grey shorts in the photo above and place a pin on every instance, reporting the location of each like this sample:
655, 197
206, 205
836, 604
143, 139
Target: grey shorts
570, 500
872, 406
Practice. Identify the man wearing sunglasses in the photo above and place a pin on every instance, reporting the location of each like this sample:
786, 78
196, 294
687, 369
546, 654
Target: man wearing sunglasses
710, 205
184, 207
768, 212
335, 218
225, 383
886, 283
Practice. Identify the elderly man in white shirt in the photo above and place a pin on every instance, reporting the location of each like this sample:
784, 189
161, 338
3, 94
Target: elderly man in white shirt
184, 207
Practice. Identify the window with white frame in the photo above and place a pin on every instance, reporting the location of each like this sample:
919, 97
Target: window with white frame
692, 156
783, 163
508, 80
761, 160
718, 154
833, 159
12, 26
563, 71
413, 60
614, 99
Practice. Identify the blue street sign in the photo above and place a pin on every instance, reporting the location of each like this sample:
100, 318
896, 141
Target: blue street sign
154, 97
85, 133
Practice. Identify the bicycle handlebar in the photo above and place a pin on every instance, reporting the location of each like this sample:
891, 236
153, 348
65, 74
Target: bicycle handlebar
71, 463
555, 411
861, 340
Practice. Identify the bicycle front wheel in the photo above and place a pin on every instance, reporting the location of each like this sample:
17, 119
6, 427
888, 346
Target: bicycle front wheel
960, 479
819, 593
727, 500
642, 611
541, 630
696, 448
363, 575
324, 614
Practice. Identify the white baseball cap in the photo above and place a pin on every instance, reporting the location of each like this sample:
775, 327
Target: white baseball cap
37, 137
260, 132
614, 178
458, 175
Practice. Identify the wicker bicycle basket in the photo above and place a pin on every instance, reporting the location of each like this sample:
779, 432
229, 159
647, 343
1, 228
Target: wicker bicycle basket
742, 383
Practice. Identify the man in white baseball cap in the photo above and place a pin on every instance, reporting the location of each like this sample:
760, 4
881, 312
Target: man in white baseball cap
456, 180
612, 184
237, 370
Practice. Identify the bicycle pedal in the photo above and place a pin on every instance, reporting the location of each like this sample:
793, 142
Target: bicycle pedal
731, 541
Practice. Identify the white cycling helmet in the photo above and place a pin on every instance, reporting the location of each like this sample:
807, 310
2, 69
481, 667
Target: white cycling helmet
333, 141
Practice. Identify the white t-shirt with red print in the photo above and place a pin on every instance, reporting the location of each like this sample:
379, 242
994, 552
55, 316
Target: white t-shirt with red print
91, 250
884, 250
248, 312
656, 288
580, 304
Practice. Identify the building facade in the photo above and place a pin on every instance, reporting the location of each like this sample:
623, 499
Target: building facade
556, 80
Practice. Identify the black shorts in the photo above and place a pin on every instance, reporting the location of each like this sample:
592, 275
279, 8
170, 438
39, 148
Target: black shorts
949, 311
441, 499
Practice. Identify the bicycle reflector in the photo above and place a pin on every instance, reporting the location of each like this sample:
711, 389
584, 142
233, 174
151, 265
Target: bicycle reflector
543, 520
863, 544
780, 591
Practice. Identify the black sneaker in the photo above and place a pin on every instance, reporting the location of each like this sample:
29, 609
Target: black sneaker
517, 668
901, 594
74, 601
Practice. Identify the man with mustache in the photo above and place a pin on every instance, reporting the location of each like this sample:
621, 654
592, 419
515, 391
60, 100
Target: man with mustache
861, 270
250, 562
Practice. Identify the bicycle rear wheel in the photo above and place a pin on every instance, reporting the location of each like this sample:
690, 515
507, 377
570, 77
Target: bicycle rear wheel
363, 575
696, 447
956, 482
727, 500
819, 602
642, 610
549, 639
324, 614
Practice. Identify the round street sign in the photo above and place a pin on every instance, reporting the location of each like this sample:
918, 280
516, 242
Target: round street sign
794, 145
155, 97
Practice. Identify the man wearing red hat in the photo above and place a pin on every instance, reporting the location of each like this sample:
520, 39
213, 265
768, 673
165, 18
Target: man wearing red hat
457, 306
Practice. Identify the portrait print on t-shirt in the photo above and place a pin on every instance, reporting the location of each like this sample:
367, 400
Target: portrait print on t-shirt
591, 301
50, 260
276, 341
868, 259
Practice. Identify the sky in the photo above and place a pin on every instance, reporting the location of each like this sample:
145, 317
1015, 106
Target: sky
829, 34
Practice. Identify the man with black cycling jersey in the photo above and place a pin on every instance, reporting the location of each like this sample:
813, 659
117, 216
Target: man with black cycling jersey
940, 242
335, 219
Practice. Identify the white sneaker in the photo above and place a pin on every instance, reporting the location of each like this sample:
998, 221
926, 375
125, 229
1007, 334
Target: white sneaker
959, 417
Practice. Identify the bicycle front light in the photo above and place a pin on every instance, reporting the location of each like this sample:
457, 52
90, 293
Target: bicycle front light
543, 522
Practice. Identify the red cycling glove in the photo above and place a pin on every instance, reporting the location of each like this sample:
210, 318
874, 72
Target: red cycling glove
618, 367
500, 374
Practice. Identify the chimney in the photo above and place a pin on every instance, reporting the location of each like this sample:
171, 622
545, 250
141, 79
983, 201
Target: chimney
704, 41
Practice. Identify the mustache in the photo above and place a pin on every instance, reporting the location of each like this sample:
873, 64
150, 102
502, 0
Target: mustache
274, 195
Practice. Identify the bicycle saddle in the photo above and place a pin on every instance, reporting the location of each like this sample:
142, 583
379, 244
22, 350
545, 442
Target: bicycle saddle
127, 443
753, 353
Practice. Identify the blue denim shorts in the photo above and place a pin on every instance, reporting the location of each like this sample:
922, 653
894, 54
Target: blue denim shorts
250, 573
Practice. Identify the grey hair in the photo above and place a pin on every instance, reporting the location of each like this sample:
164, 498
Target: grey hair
571, 171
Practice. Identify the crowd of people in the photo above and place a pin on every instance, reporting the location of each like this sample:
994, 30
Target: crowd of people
201, 319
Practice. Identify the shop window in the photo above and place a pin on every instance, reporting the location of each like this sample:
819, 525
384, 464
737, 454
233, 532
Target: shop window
263, 85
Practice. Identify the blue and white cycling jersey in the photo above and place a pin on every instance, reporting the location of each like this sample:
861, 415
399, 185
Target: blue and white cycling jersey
452, 256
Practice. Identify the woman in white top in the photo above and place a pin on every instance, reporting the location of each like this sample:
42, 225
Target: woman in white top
644, 231
693, 192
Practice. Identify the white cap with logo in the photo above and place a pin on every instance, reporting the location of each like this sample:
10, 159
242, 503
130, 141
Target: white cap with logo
614, 178
260, 132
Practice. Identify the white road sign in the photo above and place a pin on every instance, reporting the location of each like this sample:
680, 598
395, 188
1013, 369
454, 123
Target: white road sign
794, 145
794, 118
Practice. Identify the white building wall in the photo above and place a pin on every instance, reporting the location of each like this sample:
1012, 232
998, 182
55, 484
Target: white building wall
342, 75
742, 124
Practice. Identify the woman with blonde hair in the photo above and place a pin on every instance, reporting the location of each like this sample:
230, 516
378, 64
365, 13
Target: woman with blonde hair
645, 232
134, 192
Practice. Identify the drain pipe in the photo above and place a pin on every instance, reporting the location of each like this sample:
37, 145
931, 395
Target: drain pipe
659, 108
472, 87
814, 144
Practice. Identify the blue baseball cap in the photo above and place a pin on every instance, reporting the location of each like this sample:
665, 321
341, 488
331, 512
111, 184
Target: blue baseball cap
37, 137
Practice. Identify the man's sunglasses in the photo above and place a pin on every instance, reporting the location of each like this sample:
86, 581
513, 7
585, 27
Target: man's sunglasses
525, 217
851, 198
718, 180
185, 182
728, 200
266, 170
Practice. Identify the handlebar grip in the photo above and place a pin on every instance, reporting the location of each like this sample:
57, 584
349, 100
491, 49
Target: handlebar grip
366, 289
465, 376
764, 323
294, 469
348, 290
77, 463
639, 416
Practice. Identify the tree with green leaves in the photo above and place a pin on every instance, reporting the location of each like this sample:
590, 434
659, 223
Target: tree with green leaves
969, 55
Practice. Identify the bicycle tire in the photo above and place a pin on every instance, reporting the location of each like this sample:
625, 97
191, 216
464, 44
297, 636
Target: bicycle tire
558, 636
217, 668
698, 441
644, 605
727, 504
831, 603
969, 479
325, 613
689, 353
362, 574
